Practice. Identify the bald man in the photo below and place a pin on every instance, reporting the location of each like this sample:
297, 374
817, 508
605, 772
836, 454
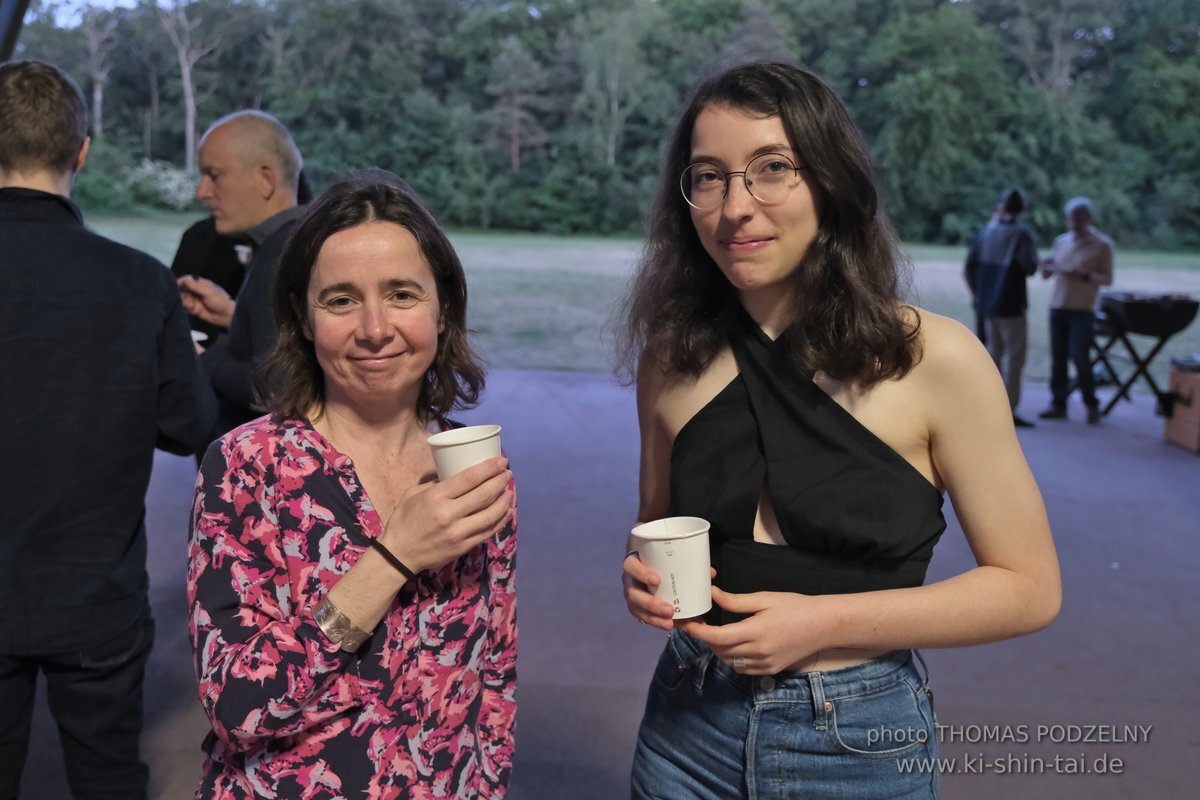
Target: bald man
249, 175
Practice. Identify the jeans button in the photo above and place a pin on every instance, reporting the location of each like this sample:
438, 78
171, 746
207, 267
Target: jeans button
767, 684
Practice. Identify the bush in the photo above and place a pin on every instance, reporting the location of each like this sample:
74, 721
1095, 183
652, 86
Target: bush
160, 184
114, 183
101, 187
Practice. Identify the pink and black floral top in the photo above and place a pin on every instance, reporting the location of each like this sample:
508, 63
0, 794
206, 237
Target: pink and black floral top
424, 709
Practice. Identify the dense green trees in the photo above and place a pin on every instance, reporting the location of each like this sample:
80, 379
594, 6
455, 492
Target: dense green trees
550, 114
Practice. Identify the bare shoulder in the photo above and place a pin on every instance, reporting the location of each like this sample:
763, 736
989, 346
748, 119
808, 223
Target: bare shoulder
948, 347
654, 388
653, 383
674, 398
957, 380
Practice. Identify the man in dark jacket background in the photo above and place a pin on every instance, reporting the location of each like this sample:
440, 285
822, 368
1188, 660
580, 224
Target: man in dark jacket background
249, 179
98, 369
1001, 257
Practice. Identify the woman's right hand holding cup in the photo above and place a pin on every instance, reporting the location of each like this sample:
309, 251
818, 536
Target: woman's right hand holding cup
435, 523
640, 583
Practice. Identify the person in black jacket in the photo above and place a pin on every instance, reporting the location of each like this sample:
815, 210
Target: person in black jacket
98, 370
1000, 259
204, 253
249, 179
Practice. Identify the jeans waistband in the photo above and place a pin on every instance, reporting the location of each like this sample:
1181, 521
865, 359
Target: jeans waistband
792, 685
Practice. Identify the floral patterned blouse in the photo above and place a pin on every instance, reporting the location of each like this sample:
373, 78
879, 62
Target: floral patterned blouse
424, 709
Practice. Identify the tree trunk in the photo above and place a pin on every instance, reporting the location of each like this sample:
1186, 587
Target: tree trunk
147, 133
179, 30
614, 115
152, 115
98, 109
514, 142
98, 41
189, 114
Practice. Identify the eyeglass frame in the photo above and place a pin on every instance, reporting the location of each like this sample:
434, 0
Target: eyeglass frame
745, 180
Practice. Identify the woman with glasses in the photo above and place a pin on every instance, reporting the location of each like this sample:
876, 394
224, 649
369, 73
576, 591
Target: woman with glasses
788, 395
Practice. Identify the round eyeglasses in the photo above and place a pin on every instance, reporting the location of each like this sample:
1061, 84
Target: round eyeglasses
769, 178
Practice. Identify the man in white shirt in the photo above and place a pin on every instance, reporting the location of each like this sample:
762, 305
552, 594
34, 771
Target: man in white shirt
1081, 261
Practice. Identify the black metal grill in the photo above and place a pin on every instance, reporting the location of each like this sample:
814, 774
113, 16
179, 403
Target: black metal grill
1159, 316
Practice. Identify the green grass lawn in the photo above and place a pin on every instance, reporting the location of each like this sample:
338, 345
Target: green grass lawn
541, 302
157, 235
1126, 259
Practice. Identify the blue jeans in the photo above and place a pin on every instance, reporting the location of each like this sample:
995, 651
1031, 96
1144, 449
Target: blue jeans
712, 734
1071, 339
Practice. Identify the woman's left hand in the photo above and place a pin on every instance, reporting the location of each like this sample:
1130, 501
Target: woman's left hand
783, 629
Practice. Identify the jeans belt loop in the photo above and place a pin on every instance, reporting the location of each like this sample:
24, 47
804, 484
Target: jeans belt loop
702, 669
820, 706
924, 668
924, 677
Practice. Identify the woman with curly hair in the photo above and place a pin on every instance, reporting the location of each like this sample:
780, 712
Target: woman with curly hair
789, 396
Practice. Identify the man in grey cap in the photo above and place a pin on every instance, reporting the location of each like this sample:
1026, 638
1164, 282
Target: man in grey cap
1081, 261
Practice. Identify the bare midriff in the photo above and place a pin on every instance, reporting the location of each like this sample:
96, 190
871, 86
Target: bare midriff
839, 658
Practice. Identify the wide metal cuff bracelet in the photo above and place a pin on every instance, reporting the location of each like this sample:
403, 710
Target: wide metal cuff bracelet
338, 628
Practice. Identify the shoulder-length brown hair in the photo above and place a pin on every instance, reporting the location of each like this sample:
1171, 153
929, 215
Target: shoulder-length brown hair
297, 384
847, 318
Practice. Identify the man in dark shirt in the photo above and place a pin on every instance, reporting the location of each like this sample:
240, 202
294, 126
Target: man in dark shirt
98, 370
249, 176
1000, 259
204, 253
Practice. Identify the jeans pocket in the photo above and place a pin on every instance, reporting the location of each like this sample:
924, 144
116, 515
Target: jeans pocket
889, 722
672, 666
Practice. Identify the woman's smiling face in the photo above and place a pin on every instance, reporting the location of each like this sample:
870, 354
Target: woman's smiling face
373, 315
756, 246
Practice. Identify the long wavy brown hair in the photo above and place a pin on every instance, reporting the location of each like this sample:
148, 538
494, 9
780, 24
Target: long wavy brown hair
297, 384
847, 317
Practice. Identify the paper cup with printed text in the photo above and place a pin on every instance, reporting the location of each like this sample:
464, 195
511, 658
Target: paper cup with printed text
677, 549
459, 448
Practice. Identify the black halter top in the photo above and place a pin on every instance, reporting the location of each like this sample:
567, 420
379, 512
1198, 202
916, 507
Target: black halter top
855, 514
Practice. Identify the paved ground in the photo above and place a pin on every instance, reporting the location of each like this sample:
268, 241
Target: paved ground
1126, 514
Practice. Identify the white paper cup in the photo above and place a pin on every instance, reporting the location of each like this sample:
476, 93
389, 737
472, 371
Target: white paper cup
459, 448
677, 549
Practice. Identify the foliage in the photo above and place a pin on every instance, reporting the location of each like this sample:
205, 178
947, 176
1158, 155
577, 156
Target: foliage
160, 184
551, 115
115, 182
103, 183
